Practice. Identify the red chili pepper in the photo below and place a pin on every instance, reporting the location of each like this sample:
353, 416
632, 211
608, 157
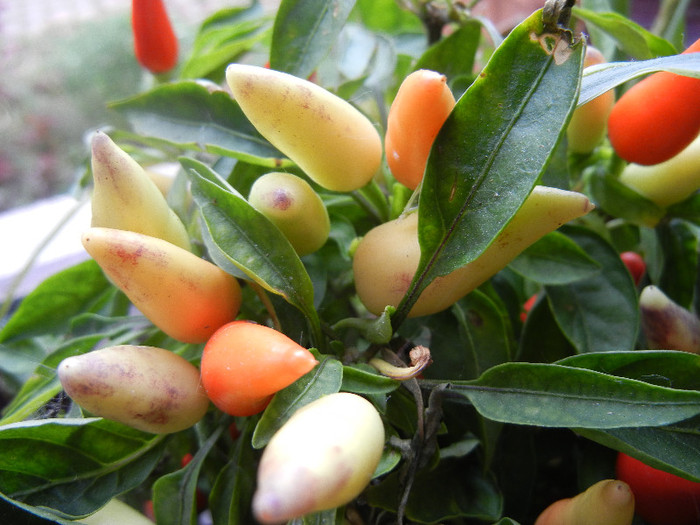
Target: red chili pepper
155, 42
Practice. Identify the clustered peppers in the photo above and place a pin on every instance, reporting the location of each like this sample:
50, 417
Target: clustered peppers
155, 41
656, 118
244, 364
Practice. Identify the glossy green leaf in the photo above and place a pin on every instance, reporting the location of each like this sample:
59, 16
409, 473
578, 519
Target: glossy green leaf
188, 115
672, 448
552, 395
222, 38
92, 460
304, 31
364, 379
51, 306
599, 313
603, 77
175, 494
324, 379
680, 244
491, 151
660, 367
541, 340
13, 511
632, 38
242, 237
555, 259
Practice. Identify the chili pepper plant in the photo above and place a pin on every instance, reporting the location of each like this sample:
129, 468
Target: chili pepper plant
489, 416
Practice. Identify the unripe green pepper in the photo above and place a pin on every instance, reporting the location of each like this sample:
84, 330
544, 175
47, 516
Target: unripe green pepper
184, 295
126, 198
327, 137
144, 387
386, 259
294, 207
322, 457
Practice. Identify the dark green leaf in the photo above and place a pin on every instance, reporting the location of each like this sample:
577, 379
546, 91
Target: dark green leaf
14, 512
324, 379
680, 244
230, 498
552, 395
304, 31
484, 338
632, 38
453, 56
175, 494
242, 237
604, 77
364, 379
673, 448
542, 341
490, 152
51, 306
74, 466
451, 490
187, 115
555, 259
599, 313
667, 368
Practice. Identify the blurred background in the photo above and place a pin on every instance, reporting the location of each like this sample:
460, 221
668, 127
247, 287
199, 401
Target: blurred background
62, 60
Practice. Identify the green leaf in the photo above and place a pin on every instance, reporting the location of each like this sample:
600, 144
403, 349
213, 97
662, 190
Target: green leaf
450, 490
13, 511
555, 259
43, 385
599, 313
454, 55
672, 448
542, 341
491, 151
304, 32
187, 115
324, 379
223, 37
484, 338
51, 306
175, 494
324, 517
619, 200
632, 38
364, 379
679, 244
552, 395
387, 16
74, 466
667, 368
231, 495
242, 237
603, 77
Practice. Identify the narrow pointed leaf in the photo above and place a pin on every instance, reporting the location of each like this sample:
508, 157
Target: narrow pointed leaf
249, 241
492, 149
186, 114
551, 395
92, 460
